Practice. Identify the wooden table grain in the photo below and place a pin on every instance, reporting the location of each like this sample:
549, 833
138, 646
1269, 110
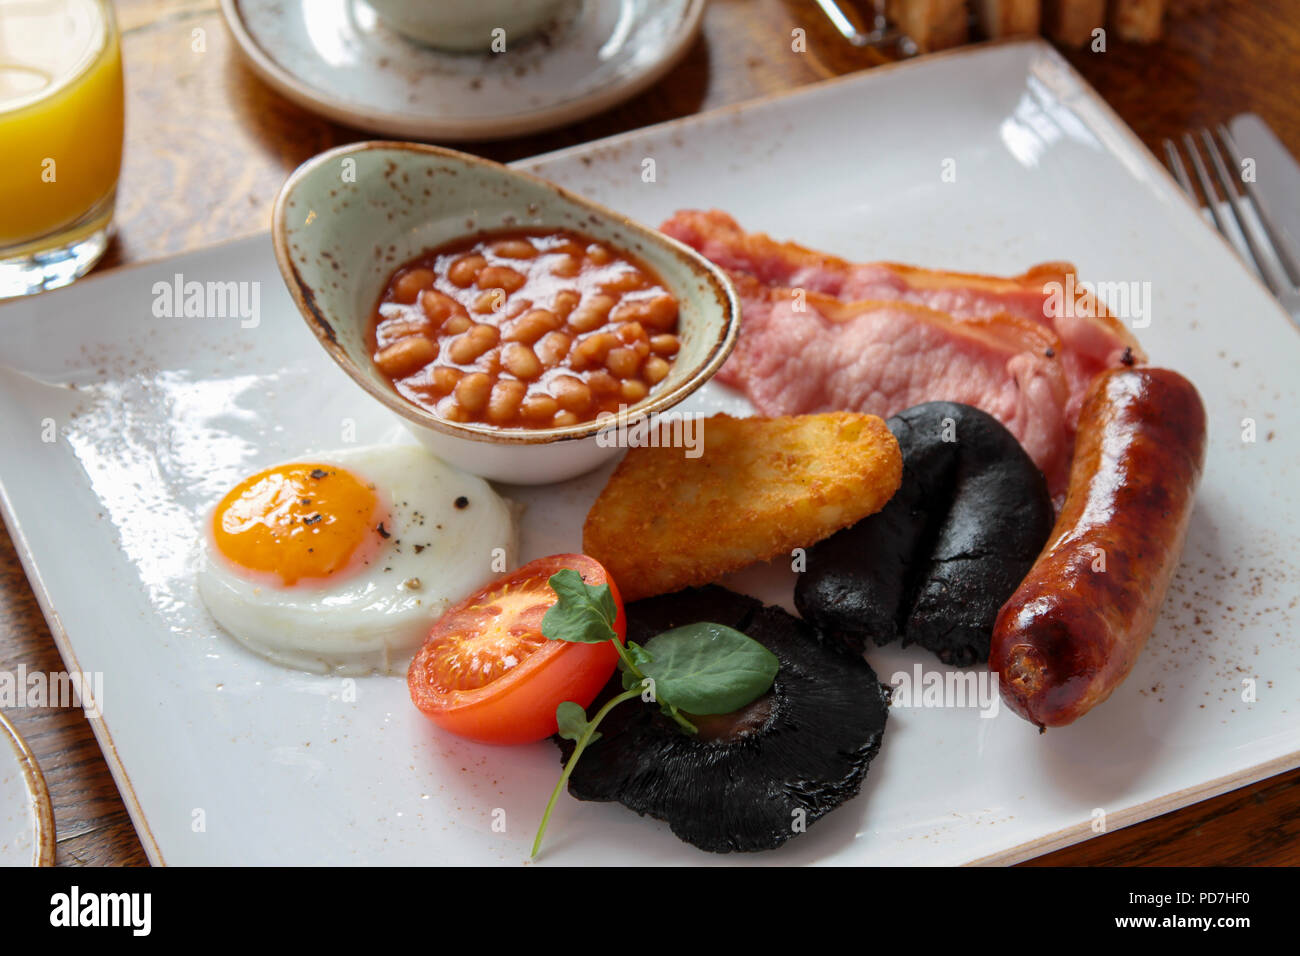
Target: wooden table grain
207, 146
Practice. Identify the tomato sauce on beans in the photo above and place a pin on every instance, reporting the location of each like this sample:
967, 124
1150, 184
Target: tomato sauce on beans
524, 329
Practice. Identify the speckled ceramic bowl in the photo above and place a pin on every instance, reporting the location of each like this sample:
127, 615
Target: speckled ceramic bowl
346, 219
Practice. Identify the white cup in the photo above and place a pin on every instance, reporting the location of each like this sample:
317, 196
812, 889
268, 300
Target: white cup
465, 24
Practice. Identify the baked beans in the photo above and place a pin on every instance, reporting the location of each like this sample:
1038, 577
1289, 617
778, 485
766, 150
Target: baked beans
525, 329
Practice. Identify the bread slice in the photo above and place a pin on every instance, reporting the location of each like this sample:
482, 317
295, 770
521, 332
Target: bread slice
1005, 18
1137, 20
1071, 22
932, 24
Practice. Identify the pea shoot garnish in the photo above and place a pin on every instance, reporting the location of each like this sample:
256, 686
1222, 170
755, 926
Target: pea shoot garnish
699, 669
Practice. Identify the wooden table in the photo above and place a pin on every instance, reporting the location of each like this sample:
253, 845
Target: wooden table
207, 146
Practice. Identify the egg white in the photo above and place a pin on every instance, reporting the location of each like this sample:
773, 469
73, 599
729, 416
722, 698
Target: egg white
373, 620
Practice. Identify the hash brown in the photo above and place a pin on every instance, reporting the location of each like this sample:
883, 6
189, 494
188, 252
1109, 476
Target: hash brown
760, 487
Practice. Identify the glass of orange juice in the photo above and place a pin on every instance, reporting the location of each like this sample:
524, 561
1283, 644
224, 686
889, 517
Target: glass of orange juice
60, 139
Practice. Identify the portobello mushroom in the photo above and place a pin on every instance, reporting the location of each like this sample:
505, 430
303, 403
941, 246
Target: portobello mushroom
752, 779
935, 564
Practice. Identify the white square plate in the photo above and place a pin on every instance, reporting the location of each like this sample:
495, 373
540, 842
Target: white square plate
225, 758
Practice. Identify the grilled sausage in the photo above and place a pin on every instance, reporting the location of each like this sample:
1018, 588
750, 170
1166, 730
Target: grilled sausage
1073, 630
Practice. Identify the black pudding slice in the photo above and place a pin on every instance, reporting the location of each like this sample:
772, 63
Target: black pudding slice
750, 780
934, 566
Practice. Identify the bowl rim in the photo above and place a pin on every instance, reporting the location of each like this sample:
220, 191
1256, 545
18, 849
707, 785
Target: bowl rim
305, 299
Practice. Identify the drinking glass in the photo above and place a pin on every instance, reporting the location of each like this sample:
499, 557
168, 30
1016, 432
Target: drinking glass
61, 113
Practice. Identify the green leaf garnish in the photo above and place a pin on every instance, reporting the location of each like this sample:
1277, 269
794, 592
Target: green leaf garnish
587, 735
572, 721
583, 613
630, 663
709, 668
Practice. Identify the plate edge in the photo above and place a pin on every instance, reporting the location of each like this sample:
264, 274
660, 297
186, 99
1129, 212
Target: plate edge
1141, 812
44, 852
98, 725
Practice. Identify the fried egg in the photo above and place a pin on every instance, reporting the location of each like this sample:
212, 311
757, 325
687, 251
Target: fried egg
341, 563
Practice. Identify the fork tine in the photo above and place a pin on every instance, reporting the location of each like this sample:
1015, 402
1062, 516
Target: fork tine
1180, 171
1211, 197
1236, 206
1280, 247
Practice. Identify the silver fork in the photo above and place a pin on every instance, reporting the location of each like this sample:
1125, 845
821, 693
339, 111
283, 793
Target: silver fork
1286, 288
849, 23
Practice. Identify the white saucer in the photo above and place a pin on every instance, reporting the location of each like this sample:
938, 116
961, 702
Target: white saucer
26, 819
343, 63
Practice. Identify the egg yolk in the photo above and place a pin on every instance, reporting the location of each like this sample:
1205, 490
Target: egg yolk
297, 522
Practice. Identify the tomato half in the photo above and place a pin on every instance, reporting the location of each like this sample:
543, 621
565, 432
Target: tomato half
486, 672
